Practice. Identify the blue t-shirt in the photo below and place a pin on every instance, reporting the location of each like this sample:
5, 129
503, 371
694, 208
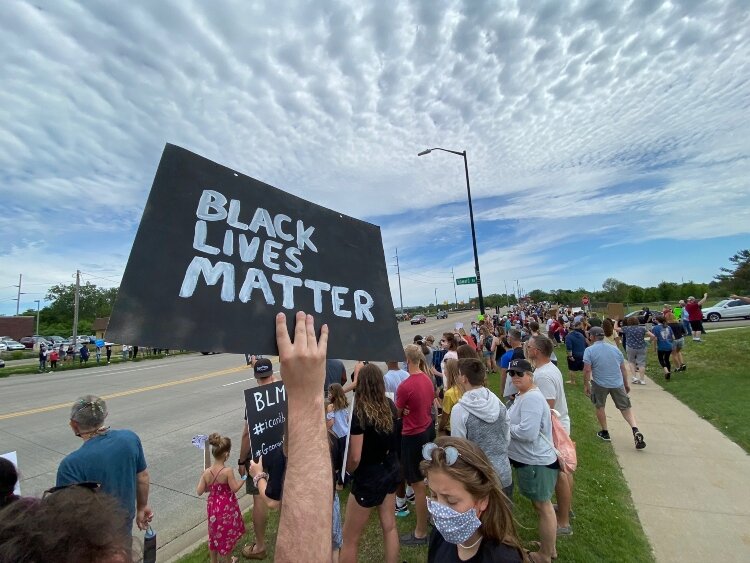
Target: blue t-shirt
505, 359
112, 460
605, 360
664, 337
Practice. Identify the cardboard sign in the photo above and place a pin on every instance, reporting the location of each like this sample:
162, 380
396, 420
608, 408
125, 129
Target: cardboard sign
218, 254
265, 407
615, 311
13, 458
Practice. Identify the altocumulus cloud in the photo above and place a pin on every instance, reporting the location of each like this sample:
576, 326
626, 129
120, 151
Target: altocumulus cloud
602, 137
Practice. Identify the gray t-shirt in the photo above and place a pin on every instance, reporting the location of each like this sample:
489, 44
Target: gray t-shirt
605, 360
550, 382
529, 416
392, 379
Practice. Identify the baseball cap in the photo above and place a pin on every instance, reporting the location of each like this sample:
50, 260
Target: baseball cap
520, 366
596, 332
263, 368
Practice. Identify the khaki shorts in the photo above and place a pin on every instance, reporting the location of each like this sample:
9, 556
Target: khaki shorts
618, 394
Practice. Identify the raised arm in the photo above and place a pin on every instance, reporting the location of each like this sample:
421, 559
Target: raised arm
702, 301
308, 478
744, 299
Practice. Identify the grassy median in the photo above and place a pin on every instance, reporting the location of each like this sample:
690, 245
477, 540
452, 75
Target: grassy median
606, 527
715, 384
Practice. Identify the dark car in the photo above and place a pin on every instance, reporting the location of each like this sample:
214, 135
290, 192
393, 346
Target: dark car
643, 315
418, 320
442, 315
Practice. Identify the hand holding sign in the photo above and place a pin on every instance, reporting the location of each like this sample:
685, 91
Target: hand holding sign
302, 361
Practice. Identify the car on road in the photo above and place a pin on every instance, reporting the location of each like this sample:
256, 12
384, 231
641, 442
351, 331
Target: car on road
13, 345
640, 314
727, 309
442, 315
2, 363
418, 320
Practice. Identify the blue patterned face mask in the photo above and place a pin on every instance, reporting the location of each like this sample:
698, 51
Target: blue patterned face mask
455, 527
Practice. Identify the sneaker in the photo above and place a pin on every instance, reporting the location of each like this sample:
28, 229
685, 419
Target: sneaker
564, 531
402, 511
668, 376
683, 367
410, 498
571, 514
697, 340
410, 540
635, 380
604, 435
640, 443
642, 381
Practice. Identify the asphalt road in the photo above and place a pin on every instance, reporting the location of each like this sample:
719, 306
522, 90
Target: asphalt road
166, 402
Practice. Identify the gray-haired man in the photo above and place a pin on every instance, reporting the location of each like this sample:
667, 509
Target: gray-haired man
112, 458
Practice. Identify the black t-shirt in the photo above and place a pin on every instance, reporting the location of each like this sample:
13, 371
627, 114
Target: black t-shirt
677, 330
376, 445
490, 551
518, 354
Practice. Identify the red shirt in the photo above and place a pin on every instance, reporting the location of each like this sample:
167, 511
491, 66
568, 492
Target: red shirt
416, 394
695, 313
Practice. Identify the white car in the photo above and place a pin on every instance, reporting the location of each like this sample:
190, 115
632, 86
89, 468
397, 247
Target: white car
727, 309
13, 345
3, 347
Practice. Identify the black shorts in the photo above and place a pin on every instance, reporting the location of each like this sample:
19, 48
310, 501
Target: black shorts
696, 326
372, 483
575, 364
411, 454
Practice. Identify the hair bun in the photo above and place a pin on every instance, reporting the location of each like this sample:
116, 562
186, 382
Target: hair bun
214, 439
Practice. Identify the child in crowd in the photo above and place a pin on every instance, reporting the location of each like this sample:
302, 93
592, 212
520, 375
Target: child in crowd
451, 397
337, 421
225, 523
8, 480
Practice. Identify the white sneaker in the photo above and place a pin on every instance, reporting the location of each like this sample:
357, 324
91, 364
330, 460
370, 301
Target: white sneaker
635, 380
642, 381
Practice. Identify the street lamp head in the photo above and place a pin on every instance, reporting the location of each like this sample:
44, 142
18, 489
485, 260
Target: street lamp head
424, 152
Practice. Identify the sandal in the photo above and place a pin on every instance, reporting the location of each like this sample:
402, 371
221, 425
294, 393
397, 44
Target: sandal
537, 545
248, 553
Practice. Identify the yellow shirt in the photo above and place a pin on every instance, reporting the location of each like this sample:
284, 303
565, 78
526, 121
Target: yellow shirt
450, 398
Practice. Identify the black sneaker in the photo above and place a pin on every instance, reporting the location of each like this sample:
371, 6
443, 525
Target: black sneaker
604, 435
683, 367
640, 443
668, 376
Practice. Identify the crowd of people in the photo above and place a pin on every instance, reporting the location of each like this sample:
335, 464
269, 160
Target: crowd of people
428, 435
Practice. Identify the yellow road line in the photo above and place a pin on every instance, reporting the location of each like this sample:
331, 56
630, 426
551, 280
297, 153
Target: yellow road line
126, 393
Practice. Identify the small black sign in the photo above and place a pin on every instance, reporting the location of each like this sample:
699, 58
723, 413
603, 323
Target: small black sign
265, 407
218, 254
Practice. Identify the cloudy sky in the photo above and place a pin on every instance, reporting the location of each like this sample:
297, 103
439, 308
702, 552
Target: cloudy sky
603, 138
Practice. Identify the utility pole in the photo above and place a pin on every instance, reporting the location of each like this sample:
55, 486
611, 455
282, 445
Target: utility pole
400, 295
18, 299
436, 305
507, 297
455, 293
75, 309
37, 316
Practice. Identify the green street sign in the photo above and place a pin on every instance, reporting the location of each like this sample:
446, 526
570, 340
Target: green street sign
466, 281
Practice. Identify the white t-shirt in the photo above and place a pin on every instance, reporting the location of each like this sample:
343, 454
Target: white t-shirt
550, 382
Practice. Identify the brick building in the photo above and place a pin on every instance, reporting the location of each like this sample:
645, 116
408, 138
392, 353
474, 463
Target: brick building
17, 327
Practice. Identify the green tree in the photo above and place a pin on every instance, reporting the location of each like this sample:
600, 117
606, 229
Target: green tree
635, 294
57, 317
736, 277
615, 290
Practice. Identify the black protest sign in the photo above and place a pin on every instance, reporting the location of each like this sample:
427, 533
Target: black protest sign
218, 254
265, 407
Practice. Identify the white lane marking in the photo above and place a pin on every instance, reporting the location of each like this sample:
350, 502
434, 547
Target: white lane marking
243, 380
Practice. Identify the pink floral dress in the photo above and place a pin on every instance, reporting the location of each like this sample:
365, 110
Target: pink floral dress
225, 523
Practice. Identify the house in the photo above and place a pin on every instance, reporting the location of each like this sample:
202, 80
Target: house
100, 327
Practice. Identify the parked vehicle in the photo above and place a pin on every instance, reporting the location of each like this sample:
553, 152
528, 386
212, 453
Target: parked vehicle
3, 347
442, 315
13, 345
727, 309
2, 363
418, 319
641, 315
31, 341
56, 339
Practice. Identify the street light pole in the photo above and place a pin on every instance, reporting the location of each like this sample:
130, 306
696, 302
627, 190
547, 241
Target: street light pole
471, 219
37, 315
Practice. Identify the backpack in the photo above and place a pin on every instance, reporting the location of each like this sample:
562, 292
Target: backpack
488, 343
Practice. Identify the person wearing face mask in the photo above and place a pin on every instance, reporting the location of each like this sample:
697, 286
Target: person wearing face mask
472, 521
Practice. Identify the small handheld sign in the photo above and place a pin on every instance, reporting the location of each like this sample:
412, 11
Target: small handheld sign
215, 248
265, 407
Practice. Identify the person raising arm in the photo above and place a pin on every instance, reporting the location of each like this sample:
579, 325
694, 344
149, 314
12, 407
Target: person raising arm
308, 474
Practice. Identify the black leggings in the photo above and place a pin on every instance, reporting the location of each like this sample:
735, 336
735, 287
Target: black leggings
664, 359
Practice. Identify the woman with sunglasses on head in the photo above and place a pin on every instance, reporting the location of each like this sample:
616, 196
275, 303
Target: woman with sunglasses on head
531, 453
373, 464
472, 520
450, 345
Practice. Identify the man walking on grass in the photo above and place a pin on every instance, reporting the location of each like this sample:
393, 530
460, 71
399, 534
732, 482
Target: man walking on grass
605, 364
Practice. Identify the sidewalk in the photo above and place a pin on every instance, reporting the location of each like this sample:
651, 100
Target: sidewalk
690, 486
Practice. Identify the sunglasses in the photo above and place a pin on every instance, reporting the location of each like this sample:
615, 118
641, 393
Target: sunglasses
517, 373
90, 485
451, 453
